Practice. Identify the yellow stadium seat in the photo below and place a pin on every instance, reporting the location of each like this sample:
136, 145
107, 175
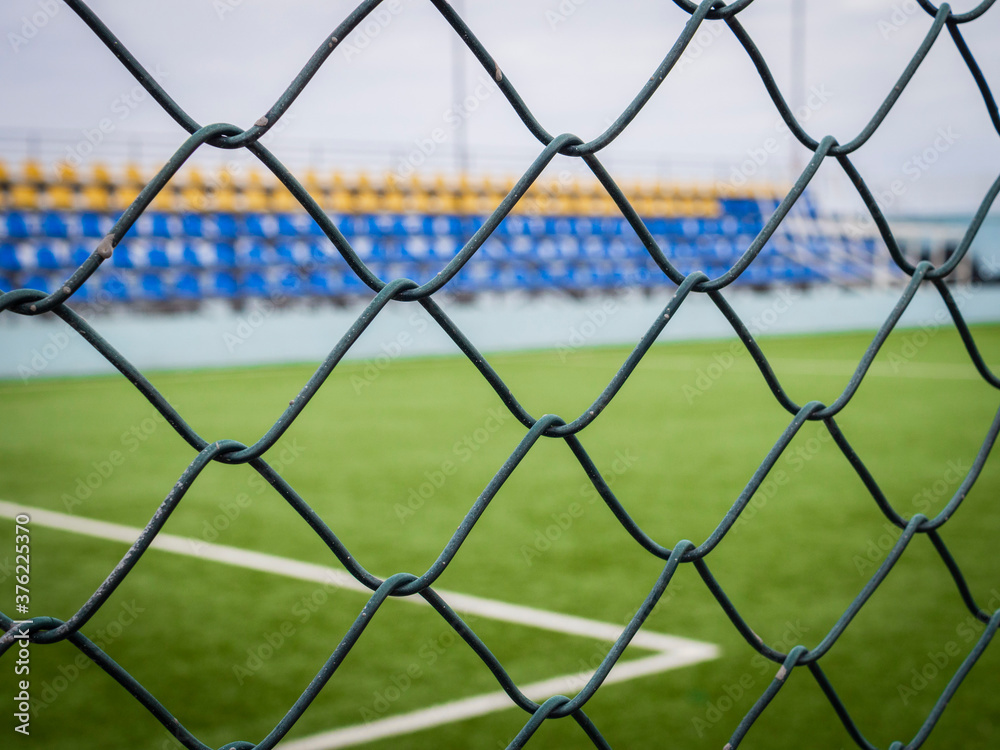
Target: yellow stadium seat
283, 201
416, 200
25, 196
32, 171
123, 196
224, 198
101, 175
310, 181
342, 202
66, 174
255, 197
393, 201
468, 202
60, 197
96, 197
133, 174
366, 200
487, 202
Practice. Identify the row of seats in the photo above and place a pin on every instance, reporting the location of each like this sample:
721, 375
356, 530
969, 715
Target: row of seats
740, 217
237, 188
57, 254
275, 283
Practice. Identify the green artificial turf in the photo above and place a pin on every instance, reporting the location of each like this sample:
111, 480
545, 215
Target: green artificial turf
393, 455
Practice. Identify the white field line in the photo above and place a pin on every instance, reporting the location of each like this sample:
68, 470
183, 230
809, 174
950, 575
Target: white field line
834, 367
671, 651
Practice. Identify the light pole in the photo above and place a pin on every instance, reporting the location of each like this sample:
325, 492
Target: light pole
797, 94
461, 145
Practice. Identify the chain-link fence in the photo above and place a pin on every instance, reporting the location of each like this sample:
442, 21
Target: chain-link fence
47, 630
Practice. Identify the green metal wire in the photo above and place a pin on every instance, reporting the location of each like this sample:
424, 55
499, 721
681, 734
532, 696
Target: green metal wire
46, 630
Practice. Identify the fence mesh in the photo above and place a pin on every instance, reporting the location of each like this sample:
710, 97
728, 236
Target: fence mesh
47, 630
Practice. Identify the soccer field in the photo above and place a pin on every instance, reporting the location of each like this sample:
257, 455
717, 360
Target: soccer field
392, 454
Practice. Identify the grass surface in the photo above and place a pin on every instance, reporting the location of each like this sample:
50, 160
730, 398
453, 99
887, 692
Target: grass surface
678, 444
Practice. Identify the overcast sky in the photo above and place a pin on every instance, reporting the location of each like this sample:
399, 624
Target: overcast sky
576, 63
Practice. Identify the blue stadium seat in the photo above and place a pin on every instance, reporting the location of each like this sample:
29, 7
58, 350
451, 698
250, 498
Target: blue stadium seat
291, 284
115, 289
251, 253
8, 258
261, 225
17, 227
322, 282
39, 282
193, 225
90, 225
190, 256
253, 285
285, 252
160, 226
45, 257
224, 284
286, 227
80, 253
122, 256
155, 256
225, 226
53, 225
151, 288
187, 286
322, 252
225, 255
85, 293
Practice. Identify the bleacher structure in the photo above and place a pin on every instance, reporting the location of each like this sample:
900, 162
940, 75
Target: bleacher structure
215, 234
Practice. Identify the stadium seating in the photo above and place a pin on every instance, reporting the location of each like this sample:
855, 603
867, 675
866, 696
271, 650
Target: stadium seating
215, 236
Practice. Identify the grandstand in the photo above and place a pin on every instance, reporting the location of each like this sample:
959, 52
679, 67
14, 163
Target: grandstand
238, 235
